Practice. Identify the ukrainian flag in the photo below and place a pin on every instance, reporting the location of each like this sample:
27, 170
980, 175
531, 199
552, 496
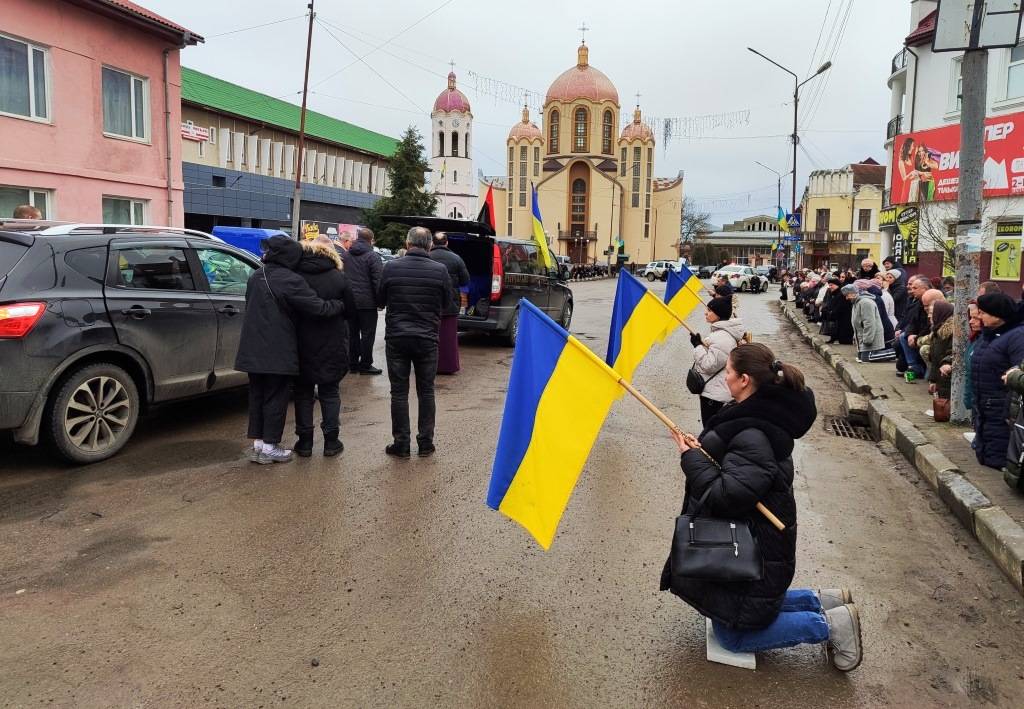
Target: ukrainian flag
681, 292
538, 231
559, 393
783, 224
639, 320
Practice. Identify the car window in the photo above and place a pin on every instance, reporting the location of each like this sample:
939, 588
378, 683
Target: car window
90, 262
226, 273
154, 268
521, 258
10, 254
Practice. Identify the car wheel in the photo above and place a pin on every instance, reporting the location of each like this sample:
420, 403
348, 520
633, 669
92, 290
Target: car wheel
651, 277
94, 413
513, 329
566, 318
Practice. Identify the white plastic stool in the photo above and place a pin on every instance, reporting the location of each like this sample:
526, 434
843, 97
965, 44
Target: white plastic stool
717, 653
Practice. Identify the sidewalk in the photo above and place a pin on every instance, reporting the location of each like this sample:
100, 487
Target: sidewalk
974, 493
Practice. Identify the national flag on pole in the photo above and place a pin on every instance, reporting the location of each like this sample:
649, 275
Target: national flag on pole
444, 166
559, 394
538, 232
681, 292
783, 223
486, 215
639, 320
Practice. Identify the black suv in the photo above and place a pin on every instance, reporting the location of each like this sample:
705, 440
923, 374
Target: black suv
98, 322
502, 271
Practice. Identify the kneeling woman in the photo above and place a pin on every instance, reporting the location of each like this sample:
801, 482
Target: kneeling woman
746, 459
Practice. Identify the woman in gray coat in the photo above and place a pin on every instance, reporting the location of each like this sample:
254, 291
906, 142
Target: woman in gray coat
867, 324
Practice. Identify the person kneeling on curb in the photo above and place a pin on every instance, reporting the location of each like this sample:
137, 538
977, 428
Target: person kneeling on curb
746, 459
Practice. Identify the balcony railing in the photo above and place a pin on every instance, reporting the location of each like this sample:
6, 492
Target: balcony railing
899, 62
894, 128
573, 235
827, 237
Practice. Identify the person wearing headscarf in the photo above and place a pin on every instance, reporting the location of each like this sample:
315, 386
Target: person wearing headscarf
938, 353
837, 311
898, 290
1000, 347
867, 323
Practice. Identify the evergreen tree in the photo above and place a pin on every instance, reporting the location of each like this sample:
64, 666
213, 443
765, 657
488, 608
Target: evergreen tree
406, 177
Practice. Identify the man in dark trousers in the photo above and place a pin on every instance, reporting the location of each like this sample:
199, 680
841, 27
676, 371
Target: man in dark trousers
415, 289
448, 341
363, 268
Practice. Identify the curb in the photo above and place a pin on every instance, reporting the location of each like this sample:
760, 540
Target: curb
1000, 536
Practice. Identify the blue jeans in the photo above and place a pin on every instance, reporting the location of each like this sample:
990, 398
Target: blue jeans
913, 357
800, 621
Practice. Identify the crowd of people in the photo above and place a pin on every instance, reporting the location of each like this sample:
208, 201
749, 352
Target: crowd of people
311, 319
891, 316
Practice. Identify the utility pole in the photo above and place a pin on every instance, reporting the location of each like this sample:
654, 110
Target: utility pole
969, 204
297, 197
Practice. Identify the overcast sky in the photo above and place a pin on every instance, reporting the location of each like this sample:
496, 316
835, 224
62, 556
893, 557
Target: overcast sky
685, 58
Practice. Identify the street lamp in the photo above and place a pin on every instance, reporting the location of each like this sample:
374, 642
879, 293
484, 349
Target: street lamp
779, 175
796, 106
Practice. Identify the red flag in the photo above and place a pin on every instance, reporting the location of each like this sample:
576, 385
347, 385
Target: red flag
486, 215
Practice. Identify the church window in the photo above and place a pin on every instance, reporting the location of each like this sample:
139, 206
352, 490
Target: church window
650, 156
622, 163
553, 133
455, 178
578, 208
511, 153
522, 175
440, 143
455, 144
606, 134
536, 162
635, 196
467, 145
581, 141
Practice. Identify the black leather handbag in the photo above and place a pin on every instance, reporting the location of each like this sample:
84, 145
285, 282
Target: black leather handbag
714, 549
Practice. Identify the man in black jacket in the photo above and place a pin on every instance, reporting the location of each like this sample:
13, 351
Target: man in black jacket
415, 290
268, 348
914, 323
363, 268
448, 335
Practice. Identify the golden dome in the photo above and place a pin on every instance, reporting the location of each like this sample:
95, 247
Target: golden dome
582, 81
637, 129
525, 129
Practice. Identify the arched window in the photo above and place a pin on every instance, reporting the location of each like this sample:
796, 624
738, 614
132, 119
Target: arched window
553, 133
606, 133
578, 208
455, 144
580, 139
455, 176
440, 144
466, 146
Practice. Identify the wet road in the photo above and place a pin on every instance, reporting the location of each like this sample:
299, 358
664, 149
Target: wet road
178, 574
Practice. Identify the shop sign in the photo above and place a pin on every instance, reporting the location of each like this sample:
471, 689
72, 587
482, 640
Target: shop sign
1006, 253
190, 131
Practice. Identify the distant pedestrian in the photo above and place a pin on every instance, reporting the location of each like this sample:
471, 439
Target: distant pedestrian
1000, 347
268, 346
26, 211
710, 356
363, 267
784, 287
448, 342
415, 289
323, 349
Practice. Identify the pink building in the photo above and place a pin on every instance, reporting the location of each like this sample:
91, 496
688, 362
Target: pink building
90, 111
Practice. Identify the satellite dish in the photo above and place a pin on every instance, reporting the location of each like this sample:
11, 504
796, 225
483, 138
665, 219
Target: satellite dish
998, 25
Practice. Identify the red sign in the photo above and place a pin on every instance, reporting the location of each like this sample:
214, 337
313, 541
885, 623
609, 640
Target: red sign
190, 131
926, 164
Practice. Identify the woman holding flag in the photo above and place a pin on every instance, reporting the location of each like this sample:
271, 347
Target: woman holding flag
710, 357
744, 457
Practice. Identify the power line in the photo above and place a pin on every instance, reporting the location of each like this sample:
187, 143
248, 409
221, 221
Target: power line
821, 30
254, 27
818, 97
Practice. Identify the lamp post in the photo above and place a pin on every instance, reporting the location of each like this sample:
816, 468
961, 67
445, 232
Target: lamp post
779, 175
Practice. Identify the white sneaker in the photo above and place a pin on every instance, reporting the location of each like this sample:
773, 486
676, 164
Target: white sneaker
273, 454
255, 450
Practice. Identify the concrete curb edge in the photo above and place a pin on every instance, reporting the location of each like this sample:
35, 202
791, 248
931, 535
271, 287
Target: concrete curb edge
1000, 536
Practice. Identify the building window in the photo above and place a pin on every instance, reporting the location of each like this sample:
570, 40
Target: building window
1015, 73
455, 144
125, 104
122, 210
466, 146
864, 220
510, 220
606, 133
578, 208
956, 85
522, 175
622, 163
647, 230
635, 197
13, 197
821, 219
553, 133
511, 153
455, 177
202, 148
23, 79
440, 144
581, 140
213, 136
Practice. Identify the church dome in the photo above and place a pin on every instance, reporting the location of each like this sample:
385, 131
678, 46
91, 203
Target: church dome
525, 129
637, 129
582, 81
451, 99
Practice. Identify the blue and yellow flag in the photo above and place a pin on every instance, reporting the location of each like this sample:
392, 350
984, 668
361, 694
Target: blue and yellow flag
559, 394
681, 292
783, 224
538, 232
639, 320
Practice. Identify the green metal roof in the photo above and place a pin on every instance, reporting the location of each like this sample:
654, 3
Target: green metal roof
217, 94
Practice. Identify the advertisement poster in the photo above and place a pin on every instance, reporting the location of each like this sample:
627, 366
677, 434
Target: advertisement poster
1006, 253
310, 230
906, 220
926, 164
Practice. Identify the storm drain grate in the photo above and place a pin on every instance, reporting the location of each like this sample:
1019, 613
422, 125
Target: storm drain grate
842, 427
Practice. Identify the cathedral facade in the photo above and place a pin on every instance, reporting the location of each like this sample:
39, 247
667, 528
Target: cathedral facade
596, 187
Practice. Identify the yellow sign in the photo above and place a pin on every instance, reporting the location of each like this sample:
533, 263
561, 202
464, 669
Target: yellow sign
310, 230
948, 260
1005, 259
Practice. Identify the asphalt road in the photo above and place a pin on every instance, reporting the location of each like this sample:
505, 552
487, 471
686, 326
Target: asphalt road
179, 574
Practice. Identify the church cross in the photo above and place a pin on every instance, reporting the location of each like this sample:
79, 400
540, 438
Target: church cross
583, 31
637, 98
452, 65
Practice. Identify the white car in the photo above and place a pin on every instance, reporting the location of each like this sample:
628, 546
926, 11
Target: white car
739, 277
658, 270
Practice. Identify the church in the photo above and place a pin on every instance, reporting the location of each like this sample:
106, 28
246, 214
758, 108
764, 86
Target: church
596, 186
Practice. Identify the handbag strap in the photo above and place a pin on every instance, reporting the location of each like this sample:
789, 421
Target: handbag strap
700, 502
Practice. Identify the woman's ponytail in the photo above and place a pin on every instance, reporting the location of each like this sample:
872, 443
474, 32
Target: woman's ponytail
759, 363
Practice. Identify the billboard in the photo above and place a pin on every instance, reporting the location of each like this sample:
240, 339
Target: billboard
906, 222
926, 164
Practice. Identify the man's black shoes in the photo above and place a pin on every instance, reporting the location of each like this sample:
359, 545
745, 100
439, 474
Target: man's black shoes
370, 370
397, 451
426, 450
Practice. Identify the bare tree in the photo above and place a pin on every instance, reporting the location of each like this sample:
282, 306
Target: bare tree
937, 226
693, 225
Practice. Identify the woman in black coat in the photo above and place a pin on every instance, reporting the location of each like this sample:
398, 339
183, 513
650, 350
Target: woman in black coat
838, 310
744, 456
323, 349
999, 348
268, 349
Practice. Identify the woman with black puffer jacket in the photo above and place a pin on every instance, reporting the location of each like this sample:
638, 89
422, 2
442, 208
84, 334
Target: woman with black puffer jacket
743, 457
